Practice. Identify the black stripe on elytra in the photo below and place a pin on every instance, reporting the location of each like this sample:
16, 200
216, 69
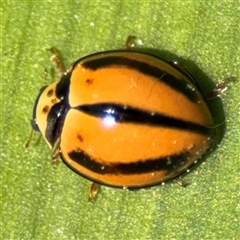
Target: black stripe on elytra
170, 163
144, 68
122, 114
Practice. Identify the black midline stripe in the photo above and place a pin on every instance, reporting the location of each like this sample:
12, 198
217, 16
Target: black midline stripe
167, 163
122, 114
144, 68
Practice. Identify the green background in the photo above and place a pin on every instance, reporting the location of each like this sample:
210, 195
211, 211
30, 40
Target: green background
39, 201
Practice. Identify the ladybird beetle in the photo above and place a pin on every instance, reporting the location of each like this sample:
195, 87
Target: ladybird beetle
125, 118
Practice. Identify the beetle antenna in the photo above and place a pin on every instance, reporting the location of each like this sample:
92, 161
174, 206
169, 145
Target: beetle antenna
29, 139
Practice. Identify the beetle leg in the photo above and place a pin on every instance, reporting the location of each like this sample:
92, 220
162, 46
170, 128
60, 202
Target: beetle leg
56, 151
181, 183
220, 88
133, 41
57, 60
93, 192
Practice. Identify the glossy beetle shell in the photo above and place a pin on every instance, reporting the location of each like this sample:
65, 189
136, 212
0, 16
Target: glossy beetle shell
125, 119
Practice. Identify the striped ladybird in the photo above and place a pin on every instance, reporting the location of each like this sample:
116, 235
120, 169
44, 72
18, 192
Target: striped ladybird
124, 118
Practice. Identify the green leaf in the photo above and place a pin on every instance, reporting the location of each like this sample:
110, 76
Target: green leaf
39, 201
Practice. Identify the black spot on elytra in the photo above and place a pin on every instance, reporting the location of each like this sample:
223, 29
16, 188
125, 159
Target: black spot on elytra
45, 109
89, 81
50, 93
80, 138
